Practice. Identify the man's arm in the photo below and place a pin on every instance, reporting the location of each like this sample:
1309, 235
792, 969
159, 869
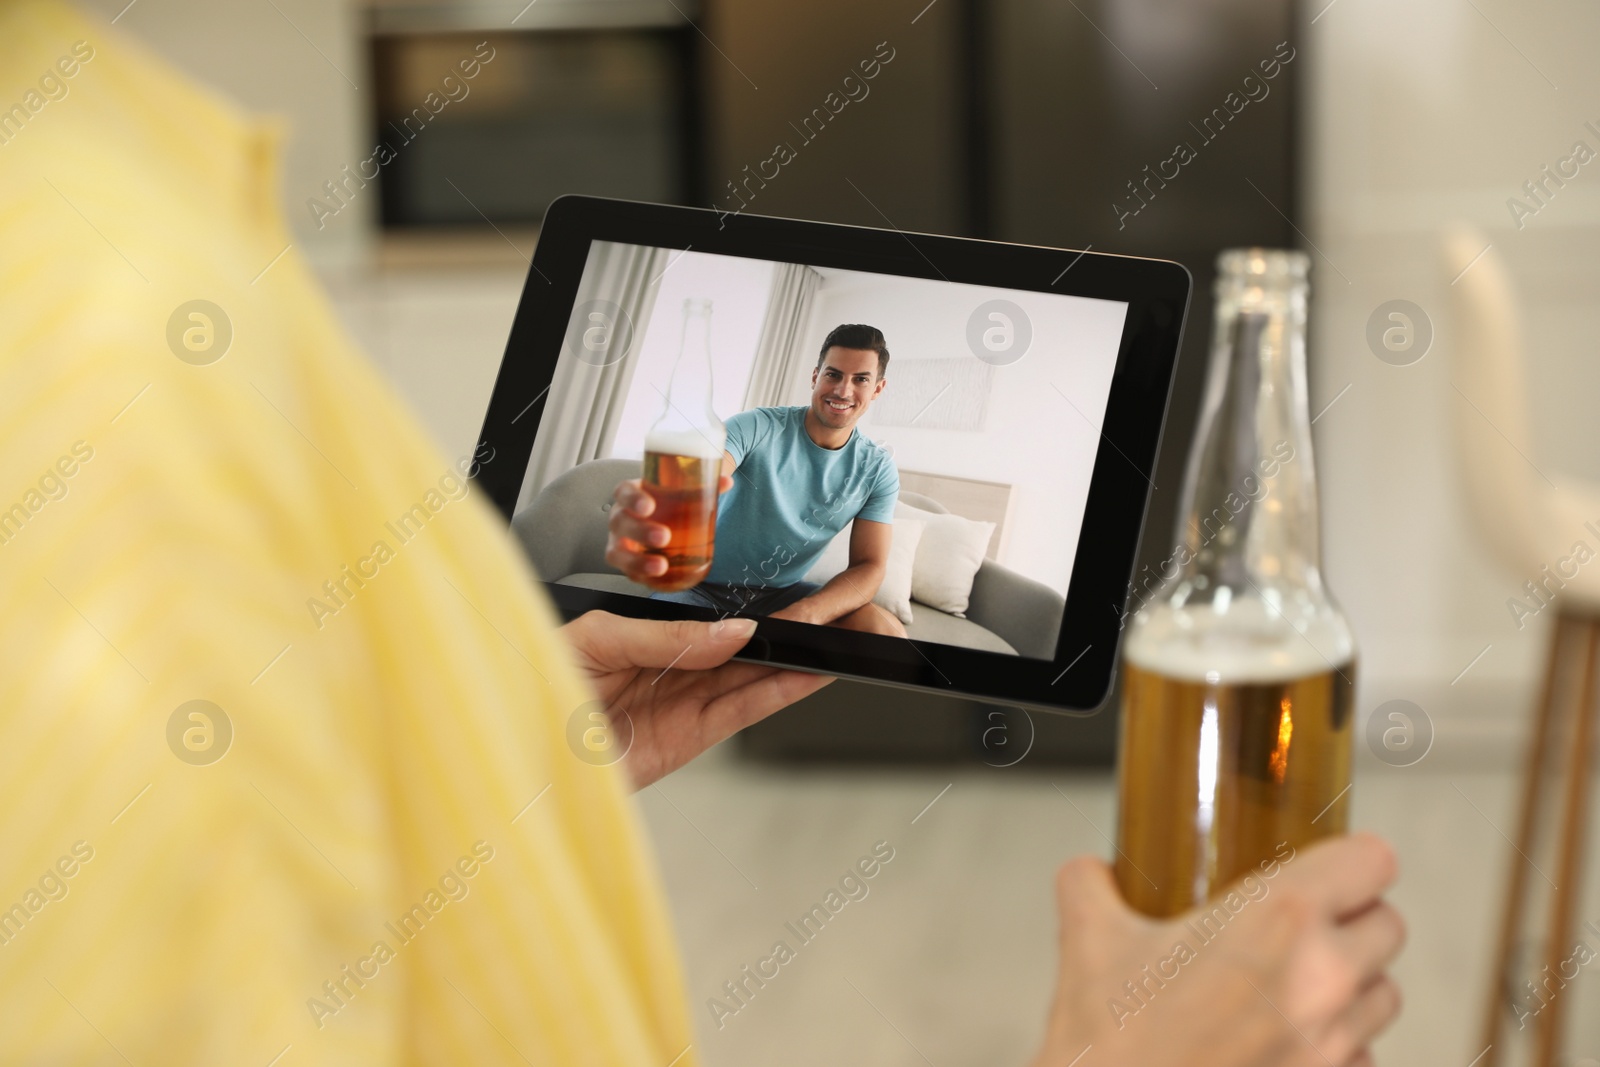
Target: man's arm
856, 585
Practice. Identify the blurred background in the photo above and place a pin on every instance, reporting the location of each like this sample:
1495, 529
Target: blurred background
1023, 121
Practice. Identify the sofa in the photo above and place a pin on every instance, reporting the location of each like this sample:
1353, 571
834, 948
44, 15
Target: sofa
563, 531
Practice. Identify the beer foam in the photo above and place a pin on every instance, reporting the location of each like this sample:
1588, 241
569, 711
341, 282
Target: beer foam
704, 444
1251, 641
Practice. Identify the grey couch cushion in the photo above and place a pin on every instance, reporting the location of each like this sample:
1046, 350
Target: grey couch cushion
1022, 611
606, 583
563, 529
931, 624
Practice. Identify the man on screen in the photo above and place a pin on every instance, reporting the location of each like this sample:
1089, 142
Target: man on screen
792, 478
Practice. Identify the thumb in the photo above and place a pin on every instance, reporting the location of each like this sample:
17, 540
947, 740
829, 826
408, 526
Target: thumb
615, 642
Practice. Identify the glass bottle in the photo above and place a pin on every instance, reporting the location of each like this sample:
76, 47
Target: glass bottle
683, 458
1238, 668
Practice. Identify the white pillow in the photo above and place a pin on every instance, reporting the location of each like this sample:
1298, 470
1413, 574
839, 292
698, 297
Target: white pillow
949, 554
894, 595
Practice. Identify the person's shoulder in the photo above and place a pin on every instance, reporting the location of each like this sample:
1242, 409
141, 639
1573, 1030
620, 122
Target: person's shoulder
766, 414
754, 428
758, 421
876, 465
873, 453
772, 419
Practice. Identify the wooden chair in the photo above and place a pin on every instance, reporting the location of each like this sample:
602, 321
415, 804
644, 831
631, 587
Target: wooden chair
1533, 519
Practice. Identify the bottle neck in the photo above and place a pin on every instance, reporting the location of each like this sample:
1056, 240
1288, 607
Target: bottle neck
689, 391
1250, 510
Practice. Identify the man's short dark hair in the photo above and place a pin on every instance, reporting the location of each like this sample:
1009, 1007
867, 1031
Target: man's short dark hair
856, 335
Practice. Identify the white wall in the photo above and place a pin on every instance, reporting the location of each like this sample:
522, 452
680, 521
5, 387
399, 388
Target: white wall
1034, 439
1423, 111
738, 290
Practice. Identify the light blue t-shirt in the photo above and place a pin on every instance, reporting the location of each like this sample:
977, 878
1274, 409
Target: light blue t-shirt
791, 496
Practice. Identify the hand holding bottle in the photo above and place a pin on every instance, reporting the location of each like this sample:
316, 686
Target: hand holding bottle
1291, 973
634, 530
683, 474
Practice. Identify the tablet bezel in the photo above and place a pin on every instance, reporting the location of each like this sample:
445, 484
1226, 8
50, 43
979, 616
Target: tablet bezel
1157, 294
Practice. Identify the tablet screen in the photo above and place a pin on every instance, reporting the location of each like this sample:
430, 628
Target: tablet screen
906, 455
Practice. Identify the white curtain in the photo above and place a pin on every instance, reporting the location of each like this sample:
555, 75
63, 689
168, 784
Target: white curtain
782, 351
586, 397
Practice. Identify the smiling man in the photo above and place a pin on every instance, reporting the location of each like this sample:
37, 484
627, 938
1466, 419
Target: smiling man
799, 476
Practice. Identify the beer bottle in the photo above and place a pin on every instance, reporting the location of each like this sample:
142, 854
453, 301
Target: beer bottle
1238, 667
683, 458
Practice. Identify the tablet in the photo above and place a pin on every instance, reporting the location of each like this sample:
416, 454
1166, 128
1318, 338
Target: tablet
937, 451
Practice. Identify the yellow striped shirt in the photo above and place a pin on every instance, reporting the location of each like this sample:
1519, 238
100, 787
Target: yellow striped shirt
370, 843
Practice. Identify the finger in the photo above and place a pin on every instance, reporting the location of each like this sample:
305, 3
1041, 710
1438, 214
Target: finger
625, 643
724, 483
1370, 1014
1342, 875
632, 496
1371, 940
643, 531
635, 564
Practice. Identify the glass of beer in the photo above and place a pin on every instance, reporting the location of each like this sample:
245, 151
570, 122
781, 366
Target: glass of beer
1238, 669
683, 459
